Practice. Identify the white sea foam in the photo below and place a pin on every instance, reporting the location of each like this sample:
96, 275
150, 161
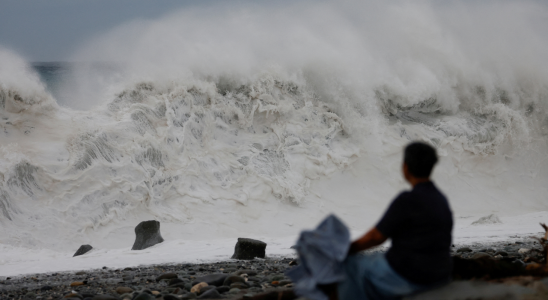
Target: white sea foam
490, 219
258, 122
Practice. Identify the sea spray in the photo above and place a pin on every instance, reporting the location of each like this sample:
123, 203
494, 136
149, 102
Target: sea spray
222, 125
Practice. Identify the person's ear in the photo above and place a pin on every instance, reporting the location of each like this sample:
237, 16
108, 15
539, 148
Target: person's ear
405, 170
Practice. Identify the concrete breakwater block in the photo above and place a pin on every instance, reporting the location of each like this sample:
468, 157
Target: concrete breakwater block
249, 249
147, 234
82, 250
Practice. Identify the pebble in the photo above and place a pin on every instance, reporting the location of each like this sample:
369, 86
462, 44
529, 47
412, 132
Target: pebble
480, 255
464, 250
123, 290
239, 285
212, 279
144, 296
174, 281
166, 276
232, 279
211, 294
196, 288
206, 288
106, 297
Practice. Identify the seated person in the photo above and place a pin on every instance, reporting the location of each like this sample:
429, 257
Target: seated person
419, 223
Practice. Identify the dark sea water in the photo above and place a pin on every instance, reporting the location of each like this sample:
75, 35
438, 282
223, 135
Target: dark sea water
54, 75
78, 85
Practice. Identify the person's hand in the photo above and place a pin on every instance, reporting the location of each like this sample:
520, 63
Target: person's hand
369, 240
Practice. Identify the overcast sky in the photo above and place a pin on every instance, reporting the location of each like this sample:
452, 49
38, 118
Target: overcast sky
50, 30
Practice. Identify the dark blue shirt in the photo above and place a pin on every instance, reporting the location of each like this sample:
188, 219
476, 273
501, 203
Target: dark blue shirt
419, 223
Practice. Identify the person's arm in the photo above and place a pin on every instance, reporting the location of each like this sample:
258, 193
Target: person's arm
371, 239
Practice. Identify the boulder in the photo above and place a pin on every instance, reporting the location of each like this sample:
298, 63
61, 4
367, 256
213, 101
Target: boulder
249, 249
82, 250
147, 234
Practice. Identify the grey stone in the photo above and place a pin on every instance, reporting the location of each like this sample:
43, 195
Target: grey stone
82, 250
230, 270
206, 288
175, 281
232, 279
249, 249
123, 290
147, 234
277, 277
464, 250
239, 285
211, 279
189, 296
223, 289
211, 294
246, 271
480, 255
106, 297
145, 296
166, 276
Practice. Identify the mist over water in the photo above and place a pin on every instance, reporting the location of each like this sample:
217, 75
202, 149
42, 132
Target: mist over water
232, 112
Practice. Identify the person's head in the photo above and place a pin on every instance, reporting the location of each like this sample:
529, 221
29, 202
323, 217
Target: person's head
418, 161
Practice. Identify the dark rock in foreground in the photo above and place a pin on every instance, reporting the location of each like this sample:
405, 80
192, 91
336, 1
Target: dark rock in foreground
166, 276
147, 234
249, 249
211, 294
82, 250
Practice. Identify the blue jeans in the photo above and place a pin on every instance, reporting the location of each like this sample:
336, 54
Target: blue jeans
371, 277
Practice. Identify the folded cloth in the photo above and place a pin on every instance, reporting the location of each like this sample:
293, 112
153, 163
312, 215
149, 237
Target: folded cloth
321, 255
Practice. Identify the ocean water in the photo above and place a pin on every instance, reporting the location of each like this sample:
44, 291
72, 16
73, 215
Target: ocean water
260, 123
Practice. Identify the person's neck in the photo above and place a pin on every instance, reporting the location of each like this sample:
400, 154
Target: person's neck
414, 180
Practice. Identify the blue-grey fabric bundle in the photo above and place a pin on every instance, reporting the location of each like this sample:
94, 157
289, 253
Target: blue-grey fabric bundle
321, 255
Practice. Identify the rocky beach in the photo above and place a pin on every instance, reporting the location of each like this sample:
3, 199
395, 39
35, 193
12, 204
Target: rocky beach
256, 278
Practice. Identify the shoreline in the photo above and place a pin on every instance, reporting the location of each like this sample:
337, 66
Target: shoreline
260, 275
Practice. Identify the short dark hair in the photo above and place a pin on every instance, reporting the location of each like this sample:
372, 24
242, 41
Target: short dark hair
420, 159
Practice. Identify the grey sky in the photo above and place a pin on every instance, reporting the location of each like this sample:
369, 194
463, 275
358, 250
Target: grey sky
49, 30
